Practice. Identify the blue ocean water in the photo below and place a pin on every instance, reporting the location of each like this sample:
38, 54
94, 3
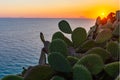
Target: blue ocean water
20, 44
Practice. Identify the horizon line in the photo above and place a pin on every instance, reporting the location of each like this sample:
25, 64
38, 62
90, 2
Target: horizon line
46, 18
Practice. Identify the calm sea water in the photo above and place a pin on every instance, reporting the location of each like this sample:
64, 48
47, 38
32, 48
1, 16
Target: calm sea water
20, 44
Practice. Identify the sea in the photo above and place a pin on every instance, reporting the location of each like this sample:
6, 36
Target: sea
20, 43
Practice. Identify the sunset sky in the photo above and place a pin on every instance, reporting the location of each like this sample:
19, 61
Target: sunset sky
57, 8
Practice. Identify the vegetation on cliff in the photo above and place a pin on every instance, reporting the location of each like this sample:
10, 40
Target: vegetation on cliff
86, 56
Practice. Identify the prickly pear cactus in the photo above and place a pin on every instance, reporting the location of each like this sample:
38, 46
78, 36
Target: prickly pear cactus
59, 35
65, 27
89, 44
44, 72
81, 73
60, 46
92, 62
105, 55
59, 63
112, 69
114, 49
79, 35
92, 56
72, 60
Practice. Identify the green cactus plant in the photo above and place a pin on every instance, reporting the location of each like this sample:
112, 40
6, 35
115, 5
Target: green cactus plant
72, 60
112, 69
114, 49
103, 36
65, 27
57, 78
12, 77
81, 73
68, 42
60, 46
87, 57
79, 35
105, 55
43, 72
59, 35
92, 62
59, 63
87, 45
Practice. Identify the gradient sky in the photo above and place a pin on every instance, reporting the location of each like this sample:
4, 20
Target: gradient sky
57, 8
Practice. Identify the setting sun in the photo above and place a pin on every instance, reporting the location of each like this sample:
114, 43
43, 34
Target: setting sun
103, 14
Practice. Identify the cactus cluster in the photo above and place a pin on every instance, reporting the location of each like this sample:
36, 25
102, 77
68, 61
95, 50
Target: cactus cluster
86, 56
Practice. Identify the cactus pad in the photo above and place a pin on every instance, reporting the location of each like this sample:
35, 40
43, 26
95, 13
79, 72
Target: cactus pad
114, 49
81, 73
39, 73
79, 35
59, 35
88, 45
65, 27
59, 63
112, 69
58, 45
92, 62
99, 51
72, 60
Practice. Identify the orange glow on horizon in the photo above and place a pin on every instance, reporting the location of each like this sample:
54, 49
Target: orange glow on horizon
58, 8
